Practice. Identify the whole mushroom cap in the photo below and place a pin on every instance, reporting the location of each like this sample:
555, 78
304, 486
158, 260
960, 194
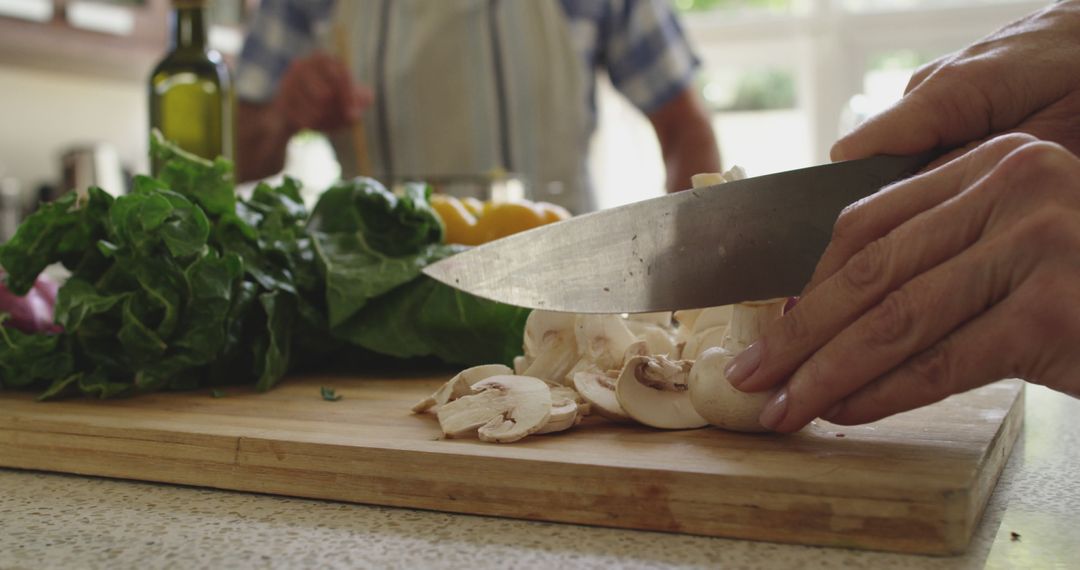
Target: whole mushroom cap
720, 403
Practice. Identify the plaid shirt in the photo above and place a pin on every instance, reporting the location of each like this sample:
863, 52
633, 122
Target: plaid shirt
638, 42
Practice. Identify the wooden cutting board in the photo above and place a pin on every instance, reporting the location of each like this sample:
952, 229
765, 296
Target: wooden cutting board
916, 482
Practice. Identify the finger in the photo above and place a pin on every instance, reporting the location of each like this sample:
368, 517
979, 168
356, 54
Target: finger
873, 217
925, 71
908, 321
362, 98
1057, 123
938, 113
925, 241
981, 351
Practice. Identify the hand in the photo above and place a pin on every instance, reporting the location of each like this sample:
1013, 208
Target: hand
318, 93
938, 284
1023, 78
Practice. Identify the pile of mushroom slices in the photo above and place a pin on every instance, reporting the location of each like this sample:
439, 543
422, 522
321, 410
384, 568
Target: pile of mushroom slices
663, 370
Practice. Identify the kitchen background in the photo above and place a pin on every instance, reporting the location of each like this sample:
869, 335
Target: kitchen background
783, 79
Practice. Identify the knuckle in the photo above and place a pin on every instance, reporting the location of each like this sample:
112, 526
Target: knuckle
810, 382
891, 321
867, 268
1038, 158
1050, 300
793, 326
846, 227
933, 368
1048, 229
1004, 144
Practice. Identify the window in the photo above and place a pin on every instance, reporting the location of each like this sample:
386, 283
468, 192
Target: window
785, 78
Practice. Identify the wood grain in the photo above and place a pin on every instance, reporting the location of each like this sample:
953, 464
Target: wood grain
917, 482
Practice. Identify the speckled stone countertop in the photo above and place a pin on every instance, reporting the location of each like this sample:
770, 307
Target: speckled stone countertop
64, 521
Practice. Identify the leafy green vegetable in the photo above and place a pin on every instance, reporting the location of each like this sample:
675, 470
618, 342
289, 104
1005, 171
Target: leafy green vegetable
180, 284
59, 231
329, 394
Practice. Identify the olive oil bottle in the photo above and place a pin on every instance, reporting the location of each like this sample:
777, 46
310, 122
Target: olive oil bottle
191, 100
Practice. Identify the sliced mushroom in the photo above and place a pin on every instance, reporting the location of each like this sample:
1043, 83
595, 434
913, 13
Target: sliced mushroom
501, 409
654, 391
720, 403
550, 346
699, 342
542, 327
459, 386
557, 357
713, 317
520, 364
685, 319
711, 178
598, 388
657, 339
602, 340
661, 319
566, 411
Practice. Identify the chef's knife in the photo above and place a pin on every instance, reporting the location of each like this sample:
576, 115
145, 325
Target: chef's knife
756, 238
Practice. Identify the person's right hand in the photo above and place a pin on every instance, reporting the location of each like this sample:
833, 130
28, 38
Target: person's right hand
317, 92
1024, 78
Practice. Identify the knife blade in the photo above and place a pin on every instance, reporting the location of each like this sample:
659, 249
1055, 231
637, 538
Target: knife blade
751, 239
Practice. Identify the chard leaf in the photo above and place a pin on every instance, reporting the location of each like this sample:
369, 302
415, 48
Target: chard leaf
329, 394
27, 359
59, 231
391, 225
272, 360
209, 183
78, 299
355, 273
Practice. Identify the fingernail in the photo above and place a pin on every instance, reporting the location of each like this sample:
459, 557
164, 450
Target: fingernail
833, 411
742, 366
790, 304
773, 413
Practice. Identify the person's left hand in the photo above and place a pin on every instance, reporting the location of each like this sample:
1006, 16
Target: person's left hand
944, 282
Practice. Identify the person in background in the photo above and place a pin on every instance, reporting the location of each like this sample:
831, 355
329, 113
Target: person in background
467, 87
962, 275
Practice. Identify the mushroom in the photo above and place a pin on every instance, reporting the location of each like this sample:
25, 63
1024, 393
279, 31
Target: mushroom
459, 386
711, 394
748, 322
598, 388
550, 346
699, 342
520, 364
657, 339
712, 178
500, 409
653, 390
717, 400
660, 319
602, 340
566, 410
712, 317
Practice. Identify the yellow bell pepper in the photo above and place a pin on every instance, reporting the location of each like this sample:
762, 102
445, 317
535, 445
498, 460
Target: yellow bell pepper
470, 221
